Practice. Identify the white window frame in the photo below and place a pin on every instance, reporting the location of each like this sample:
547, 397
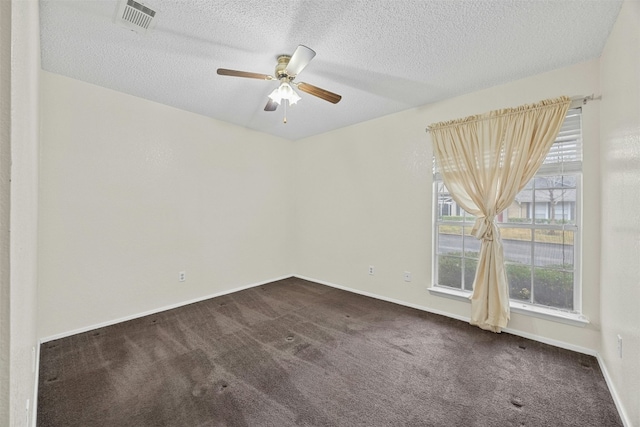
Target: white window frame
549, 168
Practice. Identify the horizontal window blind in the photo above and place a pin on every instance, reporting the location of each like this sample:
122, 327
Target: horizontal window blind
565, 155
566, 151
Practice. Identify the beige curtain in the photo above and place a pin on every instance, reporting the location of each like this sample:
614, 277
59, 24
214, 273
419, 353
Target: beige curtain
485, 161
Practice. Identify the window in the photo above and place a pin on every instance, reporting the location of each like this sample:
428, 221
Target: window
540, 231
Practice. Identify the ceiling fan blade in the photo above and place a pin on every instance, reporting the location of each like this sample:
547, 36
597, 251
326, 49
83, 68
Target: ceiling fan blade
234, 73
299, 60
271, 105
320, 93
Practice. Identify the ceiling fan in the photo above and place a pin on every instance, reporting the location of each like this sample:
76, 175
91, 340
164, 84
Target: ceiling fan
287, 70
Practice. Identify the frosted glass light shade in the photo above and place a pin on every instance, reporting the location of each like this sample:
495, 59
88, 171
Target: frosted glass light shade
284, 91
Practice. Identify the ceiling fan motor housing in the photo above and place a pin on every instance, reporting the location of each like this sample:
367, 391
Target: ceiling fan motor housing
281, 68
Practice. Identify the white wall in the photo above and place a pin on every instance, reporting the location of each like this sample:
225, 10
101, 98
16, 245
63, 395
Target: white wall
133, 192
5, 199
25, 66
620, 165
364, 197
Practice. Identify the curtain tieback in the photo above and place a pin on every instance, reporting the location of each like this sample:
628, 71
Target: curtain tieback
485, 228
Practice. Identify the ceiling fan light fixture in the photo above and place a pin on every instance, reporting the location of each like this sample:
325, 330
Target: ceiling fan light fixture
287, 69
284, 91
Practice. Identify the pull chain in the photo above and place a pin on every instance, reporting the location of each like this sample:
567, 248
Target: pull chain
284, 104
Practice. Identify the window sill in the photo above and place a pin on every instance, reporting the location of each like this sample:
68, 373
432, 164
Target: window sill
518, 307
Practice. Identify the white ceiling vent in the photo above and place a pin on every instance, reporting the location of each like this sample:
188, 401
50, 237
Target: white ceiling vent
135, 16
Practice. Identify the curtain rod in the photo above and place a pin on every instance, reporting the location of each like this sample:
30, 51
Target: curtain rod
576, 101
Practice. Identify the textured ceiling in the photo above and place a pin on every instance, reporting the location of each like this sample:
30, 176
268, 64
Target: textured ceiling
382, 56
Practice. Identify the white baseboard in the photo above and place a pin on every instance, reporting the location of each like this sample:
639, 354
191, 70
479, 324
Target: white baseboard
555, 343
34, 408
156, 310
614, 394
383, 298
533, 337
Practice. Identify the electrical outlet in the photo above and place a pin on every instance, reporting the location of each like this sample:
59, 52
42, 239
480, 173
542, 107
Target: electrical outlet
182, 276
407, 276
371, 270
620, 346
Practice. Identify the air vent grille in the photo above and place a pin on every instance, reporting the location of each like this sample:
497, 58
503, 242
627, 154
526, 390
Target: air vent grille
138, 14
135, 16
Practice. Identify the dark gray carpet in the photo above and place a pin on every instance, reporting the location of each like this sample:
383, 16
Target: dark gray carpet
295, 353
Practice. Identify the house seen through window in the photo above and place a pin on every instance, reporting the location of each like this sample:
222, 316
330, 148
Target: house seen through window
540, 230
